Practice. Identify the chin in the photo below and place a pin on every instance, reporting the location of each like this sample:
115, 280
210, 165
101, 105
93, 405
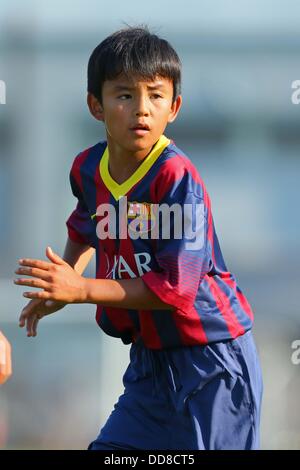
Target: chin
141, 143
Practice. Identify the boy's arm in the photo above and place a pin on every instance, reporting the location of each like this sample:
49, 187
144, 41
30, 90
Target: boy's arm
62, 283
78, 255
125, 293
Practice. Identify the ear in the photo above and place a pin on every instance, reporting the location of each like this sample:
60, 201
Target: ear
95, 107
175, 109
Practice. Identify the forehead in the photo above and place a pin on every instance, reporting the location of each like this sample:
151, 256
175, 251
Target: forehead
123, 82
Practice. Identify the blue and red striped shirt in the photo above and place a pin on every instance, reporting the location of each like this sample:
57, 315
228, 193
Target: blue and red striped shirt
208, 304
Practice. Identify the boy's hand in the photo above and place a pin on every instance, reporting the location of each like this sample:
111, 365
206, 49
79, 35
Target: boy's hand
34, 311
59, 281
5, 359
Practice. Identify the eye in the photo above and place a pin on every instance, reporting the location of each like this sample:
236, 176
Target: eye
124, 97
156, 96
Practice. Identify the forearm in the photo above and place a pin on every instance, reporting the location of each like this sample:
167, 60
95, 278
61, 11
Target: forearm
66, 284
125, 293
77, 255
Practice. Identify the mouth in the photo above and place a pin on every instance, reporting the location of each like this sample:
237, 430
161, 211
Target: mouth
140, 129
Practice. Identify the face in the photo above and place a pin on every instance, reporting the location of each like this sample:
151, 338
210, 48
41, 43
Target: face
135, 112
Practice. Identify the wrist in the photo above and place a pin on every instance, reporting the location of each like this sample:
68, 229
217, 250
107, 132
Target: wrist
86, 296
94, 291
82, 294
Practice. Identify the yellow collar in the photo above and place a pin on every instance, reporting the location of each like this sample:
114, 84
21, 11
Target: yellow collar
119, 190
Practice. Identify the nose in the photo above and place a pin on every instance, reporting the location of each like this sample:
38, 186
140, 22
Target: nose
141, 106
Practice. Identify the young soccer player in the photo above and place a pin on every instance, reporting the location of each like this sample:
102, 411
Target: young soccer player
194, 379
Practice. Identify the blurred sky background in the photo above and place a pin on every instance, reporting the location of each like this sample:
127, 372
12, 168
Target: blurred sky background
237, 124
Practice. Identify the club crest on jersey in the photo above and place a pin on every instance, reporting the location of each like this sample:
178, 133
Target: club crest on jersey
140, 216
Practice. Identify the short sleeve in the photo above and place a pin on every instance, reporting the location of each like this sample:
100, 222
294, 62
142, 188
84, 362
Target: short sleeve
79, 224
182, 258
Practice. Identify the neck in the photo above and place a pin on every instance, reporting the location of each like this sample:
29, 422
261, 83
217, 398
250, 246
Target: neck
122, 162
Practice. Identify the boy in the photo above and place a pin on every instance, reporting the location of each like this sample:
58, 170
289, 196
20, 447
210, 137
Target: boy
161, 281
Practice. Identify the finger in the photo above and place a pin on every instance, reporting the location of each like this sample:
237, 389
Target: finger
26, 311
34, 307
32, 283
41, 294
32, 323
35, 272
53, 256
34, 326
22, 320
29, 323
35, 263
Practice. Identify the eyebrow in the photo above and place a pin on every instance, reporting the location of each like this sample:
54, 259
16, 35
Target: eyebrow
150, 87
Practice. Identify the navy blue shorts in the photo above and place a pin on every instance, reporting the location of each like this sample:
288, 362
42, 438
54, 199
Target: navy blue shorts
188, 398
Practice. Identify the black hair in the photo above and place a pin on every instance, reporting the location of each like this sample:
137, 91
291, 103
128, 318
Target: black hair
133, 51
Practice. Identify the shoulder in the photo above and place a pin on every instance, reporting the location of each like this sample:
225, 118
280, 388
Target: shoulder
176, 169
88, 156
84, 165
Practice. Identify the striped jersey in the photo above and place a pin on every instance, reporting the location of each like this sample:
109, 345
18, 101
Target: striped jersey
157, 225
